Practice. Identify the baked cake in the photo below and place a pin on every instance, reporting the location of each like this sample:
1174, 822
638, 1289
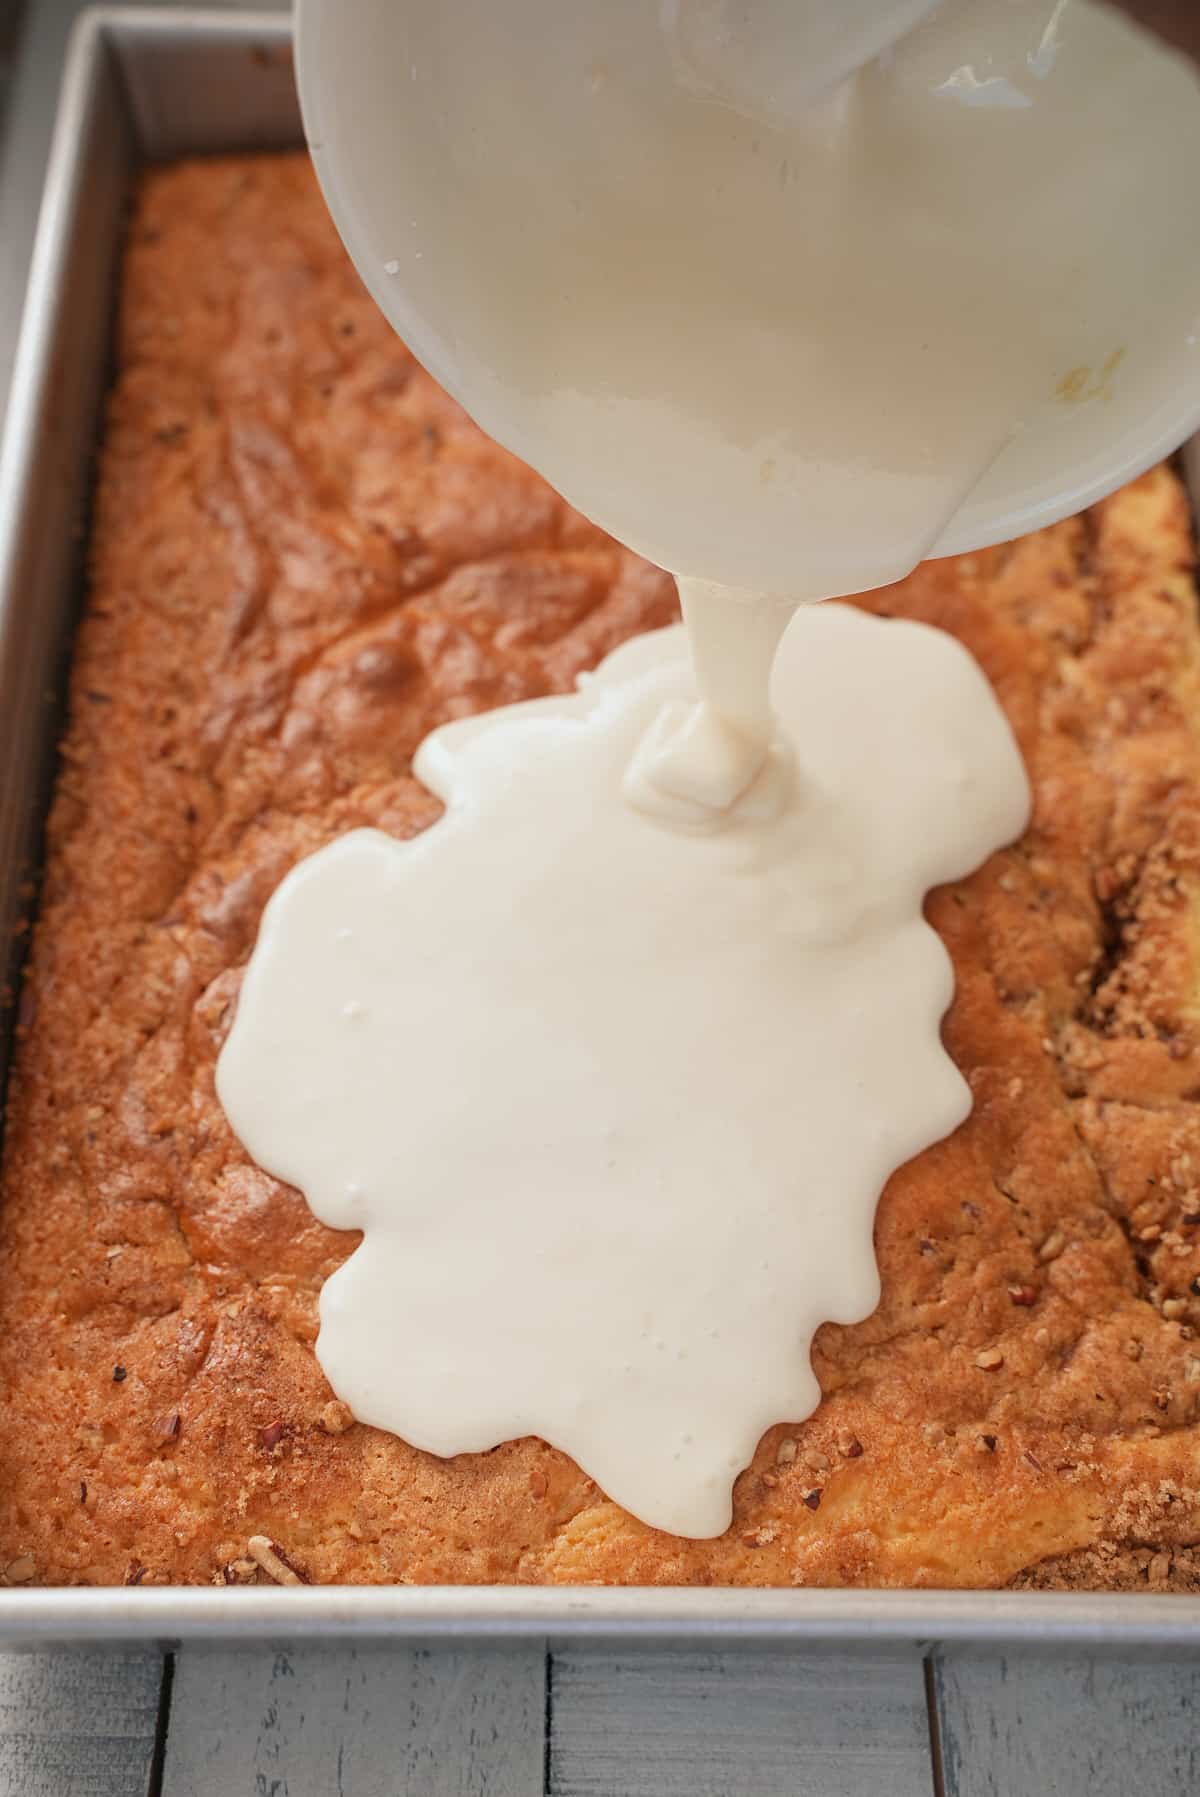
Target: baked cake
304, 557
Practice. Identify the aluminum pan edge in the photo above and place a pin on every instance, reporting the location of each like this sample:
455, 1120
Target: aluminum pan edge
144, 43
714, 1618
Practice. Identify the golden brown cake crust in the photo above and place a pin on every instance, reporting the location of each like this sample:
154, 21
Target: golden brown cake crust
304, 557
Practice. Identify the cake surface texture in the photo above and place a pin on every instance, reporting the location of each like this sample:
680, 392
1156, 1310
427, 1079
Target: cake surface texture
305, 557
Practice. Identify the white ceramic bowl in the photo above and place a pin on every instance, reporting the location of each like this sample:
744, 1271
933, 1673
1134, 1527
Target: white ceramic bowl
548, 186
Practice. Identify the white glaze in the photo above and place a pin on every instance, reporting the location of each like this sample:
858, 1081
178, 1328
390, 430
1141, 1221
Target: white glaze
697, 758
612, 1064
614, 1104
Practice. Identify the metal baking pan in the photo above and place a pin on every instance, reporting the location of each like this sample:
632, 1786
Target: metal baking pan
146, 85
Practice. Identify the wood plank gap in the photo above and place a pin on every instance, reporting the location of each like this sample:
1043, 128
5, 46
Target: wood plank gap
547, 1720
935, 1734
154, 1786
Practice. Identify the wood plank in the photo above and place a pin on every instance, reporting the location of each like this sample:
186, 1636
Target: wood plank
1035, 1726
78, 1724
339, 1721
650, 1724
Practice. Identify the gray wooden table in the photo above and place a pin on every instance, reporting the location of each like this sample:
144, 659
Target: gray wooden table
376, 1722
520, 1722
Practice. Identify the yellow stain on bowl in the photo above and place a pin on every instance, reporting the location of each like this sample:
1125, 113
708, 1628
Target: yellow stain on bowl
1081, 384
